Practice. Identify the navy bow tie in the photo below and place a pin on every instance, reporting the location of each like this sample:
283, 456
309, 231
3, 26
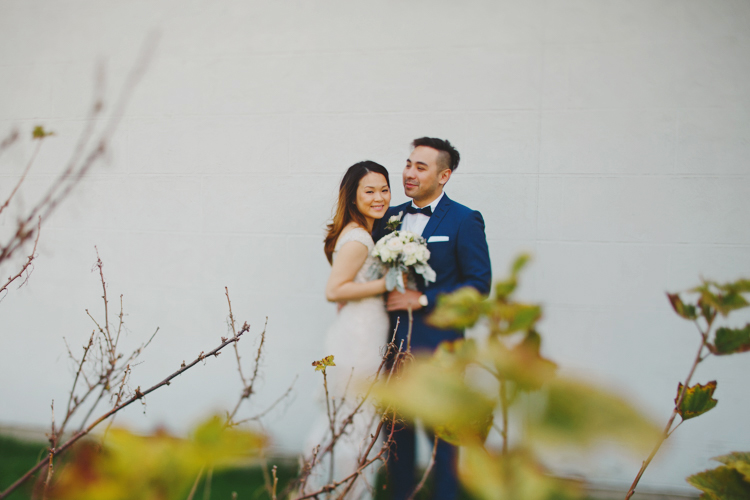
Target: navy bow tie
424, 210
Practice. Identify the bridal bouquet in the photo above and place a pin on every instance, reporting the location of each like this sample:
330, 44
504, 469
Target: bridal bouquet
402, 252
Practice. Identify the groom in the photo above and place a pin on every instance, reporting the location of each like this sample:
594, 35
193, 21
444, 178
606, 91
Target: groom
459, 256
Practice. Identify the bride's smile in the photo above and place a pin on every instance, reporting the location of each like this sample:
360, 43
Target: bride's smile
373, 197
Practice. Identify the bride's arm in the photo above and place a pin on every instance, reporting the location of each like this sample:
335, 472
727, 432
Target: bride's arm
341, 287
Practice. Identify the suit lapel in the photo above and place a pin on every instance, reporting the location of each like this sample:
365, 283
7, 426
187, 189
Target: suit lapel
437, 216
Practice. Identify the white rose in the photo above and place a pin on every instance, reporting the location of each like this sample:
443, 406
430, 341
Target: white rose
394, 245
385, 255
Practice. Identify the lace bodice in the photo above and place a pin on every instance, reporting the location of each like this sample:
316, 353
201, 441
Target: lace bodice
362, 236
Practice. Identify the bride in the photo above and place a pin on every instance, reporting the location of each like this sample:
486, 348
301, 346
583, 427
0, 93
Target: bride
360, 329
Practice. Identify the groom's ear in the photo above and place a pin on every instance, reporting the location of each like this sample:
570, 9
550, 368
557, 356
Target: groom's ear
444, 175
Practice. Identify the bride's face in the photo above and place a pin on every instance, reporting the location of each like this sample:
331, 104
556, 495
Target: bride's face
373, 196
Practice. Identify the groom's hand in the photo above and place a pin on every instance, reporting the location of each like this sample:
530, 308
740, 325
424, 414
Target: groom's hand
398, 301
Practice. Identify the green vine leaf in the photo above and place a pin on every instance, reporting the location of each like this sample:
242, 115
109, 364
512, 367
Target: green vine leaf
697, 400
739, 286
732, 340
458, 310
578, 414
737, 460
516, 475
721, 483
687, 311
723, 303
441, 398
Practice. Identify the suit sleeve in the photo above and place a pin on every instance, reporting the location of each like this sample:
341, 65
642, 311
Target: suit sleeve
473, 259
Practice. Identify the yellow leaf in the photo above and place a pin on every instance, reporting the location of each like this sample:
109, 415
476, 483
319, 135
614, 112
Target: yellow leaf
515, 476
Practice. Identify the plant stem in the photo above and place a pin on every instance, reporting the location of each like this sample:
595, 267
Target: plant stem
504, 410
666, 432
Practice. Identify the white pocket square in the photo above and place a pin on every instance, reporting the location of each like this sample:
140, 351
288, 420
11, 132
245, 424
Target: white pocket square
437, 239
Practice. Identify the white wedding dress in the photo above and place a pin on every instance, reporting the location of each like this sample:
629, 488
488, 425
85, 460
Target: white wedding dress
357, 341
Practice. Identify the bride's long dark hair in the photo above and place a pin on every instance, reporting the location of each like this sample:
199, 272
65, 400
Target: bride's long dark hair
346, 207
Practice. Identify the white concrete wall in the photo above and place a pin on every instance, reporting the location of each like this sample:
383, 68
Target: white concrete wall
611, 138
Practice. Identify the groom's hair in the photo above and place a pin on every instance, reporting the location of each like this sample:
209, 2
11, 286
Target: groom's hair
448, 156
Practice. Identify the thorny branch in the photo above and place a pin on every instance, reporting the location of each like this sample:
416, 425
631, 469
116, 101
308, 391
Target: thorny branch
396, 356
138, 396
27, 265
7, 142
248, 386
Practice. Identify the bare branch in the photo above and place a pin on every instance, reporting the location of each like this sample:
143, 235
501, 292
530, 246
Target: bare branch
9, 140
427, 470
138, 396
27, 265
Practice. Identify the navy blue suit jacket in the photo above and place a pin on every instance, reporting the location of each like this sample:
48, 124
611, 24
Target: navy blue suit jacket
462, 260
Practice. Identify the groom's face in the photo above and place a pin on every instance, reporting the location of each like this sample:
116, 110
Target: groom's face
423, 177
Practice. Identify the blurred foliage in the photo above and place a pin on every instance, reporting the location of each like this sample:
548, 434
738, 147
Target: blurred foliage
16, 457
159, 466
460, 409
730, 481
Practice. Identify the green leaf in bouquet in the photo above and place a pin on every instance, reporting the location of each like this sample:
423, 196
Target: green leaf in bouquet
721, 483
687, 311
578, 414
697, 400
732, 340
513, 476
458, 310
439, 397
521, 364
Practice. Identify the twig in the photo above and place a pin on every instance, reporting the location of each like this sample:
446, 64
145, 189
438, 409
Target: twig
9, 140
666, 432
26, 265
275, 483
308, 466
23, 175
504, 410
362, 465
138, 395
73, 403
195, 484
273, 405
427, 470
53, 444
207, 484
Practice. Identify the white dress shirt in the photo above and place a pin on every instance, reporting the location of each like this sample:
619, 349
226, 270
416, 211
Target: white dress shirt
417, 222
